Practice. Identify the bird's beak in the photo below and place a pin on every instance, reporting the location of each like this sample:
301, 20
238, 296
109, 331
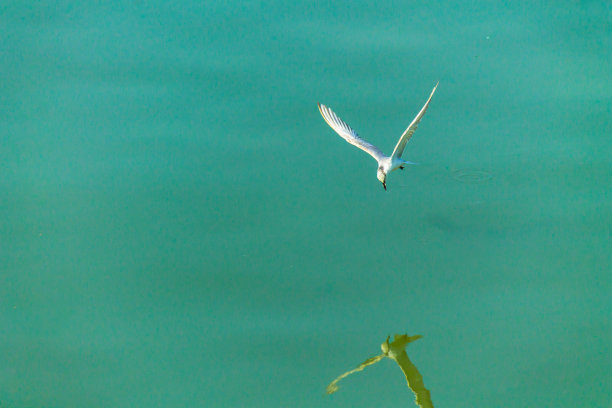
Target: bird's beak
385, 185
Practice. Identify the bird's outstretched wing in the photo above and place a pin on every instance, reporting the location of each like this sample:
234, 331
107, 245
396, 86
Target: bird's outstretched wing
332, 387
401, 144
347, 133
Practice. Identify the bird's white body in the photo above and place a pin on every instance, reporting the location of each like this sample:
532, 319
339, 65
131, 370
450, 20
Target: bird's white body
386, 164
389, 163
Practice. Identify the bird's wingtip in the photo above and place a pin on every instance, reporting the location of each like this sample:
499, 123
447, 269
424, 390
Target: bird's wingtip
434, 89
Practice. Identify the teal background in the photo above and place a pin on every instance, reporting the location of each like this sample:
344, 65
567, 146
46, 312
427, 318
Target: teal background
179, 227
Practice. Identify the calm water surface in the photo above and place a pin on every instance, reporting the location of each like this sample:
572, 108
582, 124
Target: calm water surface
181, 228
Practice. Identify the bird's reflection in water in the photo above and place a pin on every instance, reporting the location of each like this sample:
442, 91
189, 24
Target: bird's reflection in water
396, 350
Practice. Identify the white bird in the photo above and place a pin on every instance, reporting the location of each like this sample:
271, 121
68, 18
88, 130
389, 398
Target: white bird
386, 164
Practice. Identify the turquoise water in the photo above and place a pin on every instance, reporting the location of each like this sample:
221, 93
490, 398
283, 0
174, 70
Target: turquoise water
181, 228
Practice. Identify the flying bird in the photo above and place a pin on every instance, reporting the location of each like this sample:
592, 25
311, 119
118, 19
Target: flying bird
386, 164
396, 351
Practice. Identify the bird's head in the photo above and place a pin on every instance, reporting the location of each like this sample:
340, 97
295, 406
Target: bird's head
382, 177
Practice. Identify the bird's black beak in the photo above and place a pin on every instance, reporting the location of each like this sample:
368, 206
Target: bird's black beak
385, 185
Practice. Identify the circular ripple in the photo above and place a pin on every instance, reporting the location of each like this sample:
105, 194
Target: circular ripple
471, 176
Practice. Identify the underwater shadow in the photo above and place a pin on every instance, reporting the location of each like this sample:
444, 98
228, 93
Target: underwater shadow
396, 351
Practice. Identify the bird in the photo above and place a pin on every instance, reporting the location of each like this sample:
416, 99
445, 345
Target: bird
396, 350
386, 164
